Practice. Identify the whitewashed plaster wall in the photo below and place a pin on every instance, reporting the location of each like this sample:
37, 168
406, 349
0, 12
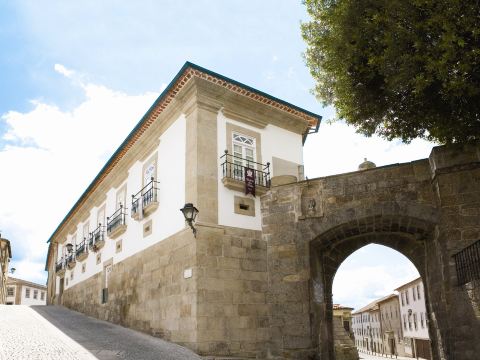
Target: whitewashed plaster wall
417, 307
166, 219
275, 142
30, 300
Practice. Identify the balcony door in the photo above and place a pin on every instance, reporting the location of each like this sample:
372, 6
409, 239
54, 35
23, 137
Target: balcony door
244, 154
86, 228
149, 172
121, 198
101, 216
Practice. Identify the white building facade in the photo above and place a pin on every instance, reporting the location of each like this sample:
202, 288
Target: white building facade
395, 324
391, 325
21, 292
124, 252
413, 314
367, 330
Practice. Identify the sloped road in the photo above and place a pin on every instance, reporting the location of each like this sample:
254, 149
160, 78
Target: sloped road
53, 332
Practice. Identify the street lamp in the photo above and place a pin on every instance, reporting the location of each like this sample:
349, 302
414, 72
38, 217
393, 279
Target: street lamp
12, 270
190, 213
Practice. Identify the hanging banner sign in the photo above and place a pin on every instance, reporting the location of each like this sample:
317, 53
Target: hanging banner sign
249, 181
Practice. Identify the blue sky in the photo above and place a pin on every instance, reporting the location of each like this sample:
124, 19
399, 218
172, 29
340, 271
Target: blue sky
66, 64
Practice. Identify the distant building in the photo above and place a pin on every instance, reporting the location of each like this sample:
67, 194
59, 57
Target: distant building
345, 348
21, 292
414, 319
367, 328
345, 313
391, 325
5, 256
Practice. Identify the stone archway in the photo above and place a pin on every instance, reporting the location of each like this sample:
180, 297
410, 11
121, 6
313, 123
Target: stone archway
328, 251
428, 210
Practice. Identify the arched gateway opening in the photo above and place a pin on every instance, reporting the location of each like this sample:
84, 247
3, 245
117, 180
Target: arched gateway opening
371, 315
405, 234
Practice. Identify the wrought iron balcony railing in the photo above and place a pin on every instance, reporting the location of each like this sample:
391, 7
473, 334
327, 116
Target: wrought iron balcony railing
60, 265
70, 258
117, 219
148, 195
81, 248
234, 167
96, 236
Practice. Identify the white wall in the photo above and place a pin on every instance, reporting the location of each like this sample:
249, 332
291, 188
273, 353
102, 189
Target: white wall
417, 307
30, 300
166, 219
275, 142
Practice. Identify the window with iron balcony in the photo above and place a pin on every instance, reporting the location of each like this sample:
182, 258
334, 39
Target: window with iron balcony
234, 170
145, 201
70, 260
116, 224
60, 266
82, 250
97, 238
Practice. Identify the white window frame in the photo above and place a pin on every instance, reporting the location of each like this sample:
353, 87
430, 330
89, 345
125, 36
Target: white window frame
246, 143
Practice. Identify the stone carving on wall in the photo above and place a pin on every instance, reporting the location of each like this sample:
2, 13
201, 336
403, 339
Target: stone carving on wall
311, 202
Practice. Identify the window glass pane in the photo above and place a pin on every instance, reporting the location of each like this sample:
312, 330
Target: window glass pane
237, 150
85, 230
149, 173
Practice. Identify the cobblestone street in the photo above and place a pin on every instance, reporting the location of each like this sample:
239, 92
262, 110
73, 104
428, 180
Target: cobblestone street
52, 332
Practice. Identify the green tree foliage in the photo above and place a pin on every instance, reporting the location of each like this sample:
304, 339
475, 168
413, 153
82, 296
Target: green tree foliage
399, 68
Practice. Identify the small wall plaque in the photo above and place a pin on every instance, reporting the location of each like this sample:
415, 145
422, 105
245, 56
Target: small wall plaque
187, 273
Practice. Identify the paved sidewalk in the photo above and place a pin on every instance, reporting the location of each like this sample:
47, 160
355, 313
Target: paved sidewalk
59, 333
365, 356
24, 334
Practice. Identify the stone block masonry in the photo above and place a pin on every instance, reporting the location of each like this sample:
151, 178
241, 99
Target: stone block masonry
220, 310
147, 291
427, 209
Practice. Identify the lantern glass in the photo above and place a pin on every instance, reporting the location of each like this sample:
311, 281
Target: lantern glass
189, 212
69, 247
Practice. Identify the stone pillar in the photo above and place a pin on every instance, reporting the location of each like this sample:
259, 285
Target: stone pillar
289, 274
201, 166
456, 182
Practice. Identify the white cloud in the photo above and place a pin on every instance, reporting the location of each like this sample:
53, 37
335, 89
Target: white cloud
49, 159
63, 70
30, 270
359, 285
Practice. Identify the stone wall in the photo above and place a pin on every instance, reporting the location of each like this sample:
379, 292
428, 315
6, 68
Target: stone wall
344, 345
307, 225
220, 311
232, 284
428, 210
147, 291
456, 182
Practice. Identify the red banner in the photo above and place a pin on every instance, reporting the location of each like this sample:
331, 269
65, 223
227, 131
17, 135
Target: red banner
249, 181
